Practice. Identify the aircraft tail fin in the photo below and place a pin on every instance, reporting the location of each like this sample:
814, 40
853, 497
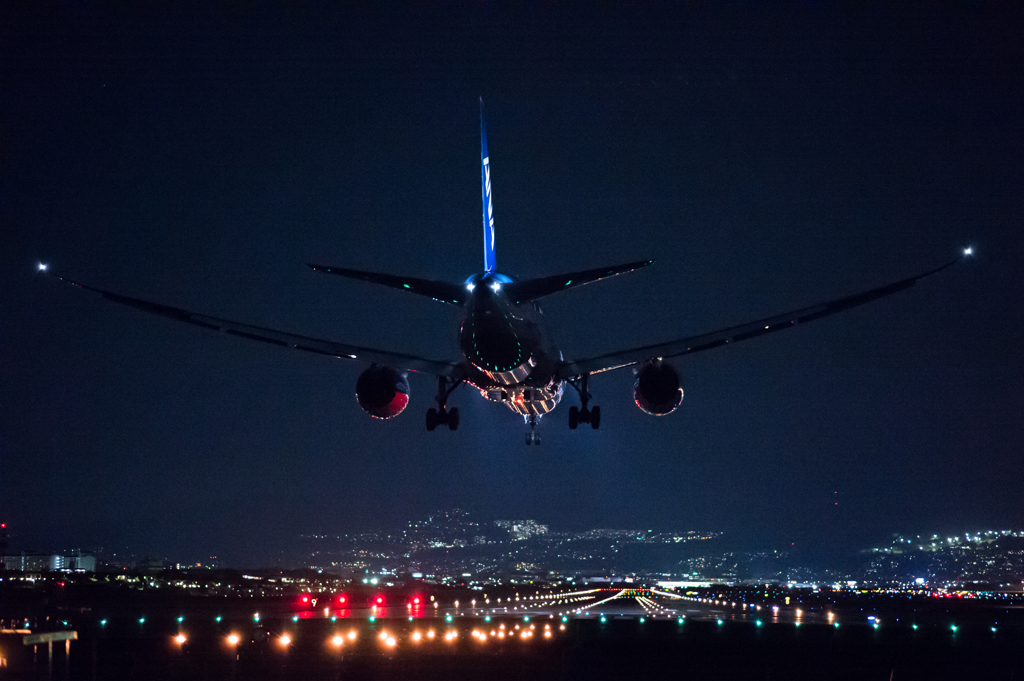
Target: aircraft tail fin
441, 291
532, 289
485, 179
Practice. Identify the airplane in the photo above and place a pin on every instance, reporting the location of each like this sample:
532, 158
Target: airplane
507, 354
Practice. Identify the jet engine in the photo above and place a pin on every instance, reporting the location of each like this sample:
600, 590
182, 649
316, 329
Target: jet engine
657, 390
382, 392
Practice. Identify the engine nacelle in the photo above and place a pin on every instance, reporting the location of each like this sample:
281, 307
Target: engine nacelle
657, 390
382, 392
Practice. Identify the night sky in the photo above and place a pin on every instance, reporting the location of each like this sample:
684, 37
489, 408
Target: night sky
768, 158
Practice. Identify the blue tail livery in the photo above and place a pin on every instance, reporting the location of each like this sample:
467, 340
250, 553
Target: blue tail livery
490, 263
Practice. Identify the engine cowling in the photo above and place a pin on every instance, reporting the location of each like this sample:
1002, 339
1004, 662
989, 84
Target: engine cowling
657, 390
382, 392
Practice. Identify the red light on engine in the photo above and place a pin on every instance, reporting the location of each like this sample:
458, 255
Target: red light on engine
379, 600
342, 599
415, 600
305, 598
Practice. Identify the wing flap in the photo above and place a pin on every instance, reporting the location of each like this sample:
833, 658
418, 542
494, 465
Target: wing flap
735, 334
281, 338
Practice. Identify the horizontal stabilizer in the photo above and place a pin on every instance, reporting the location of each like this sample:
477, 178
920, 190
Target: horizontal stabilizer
453, 294
532, 289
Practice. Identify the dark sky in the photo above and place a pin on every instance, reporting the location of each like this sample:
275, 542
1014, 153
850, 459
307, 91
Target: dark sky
767, 157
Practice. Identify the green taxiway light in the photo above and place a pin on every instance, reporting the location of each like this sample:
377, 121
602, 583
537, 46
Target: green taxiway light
142, 620
993, 629
219, 618
565, 619
952, 627
372, 618
103, 623
487, 618
758, 622
680, 620
447, 618
295, 618
603, 619
914, 626
181, 619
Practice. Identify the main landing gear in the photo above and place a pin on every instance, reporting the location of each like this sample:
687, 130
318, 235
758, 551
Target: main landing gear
532, 438
441, 416
583, 414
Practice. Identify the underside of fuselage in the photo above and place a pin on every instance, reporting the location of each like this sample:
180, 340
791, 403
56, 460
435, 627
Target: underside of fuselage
509, 354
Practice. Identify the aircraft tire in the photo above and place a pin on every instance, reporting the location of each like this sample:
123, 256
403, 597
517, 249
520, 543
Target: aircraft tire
595, 418
431, 419
574, 417
453, 419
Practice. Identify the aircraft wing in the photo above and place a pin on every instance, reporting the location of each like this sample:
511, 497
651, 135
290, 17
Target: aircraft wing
280, 338
735, 334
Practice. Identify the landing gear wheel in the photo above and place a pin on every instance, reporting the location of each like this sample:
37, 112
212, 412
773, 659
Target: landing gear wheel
595, 418
453, 419
574, 417
431, 419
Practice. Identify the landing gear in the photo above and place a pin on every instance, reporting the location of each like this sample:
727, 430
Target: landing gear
441, 416
437, 418
532, 438
583, 414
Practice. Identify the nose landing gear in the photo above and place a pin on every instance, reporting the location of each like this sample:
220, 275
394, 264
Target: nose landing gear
531, 437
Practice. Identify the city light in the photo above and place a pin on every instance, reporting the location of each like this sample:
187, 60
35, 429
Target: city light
233, 639
338, 640
284, 640
180, 638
